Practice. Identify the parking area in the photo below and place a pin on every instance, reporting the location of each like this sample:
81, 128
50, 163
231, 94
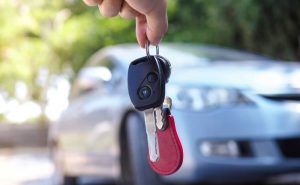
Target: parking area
24, 166
32, 166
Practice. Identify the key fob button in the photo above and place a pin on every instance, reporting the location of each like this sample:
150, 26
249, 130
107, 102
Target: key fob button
144, 92
152, 77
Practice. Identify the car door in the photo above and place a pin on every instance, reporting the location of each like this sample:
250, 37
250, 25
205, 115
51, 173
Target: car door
96, 110
105, 109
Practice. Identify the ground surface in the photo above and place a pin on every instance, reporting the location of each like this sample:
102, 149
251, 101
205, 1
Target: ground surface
34, 167
25, 167
30, 166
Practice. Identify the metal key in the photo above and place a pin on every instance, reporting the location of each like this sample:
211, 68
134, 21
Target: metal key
146, 86
147, 77
151, 134
161, 113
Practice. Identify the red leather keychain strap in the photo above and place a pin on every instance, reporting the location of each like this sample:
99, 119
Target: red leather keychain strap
170, 150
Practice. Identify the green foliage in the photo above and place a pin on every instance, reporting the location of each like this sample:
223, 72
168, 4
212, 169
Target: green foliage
83, 34
54, 34
263, 26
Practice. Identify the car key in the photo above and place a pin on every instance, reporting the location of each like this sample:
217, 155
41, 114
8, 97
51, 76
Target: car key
151, 135
171, 151
147, 77
146, 87
161, 114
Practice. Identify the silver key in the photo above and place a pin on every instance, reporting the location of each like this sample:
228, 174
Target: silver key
160, 115
159, 118
151, 130
155, 119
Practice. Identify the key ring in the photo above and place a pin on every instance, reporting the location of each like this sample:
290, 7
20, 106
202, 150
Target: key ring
147, 45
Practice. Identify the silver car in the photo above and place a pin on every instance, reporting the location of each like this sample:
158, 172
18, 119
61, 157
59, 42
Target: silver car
237, 115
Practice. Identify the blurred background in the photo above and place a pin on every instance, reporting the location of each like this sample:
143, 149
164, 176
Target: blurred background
44, 44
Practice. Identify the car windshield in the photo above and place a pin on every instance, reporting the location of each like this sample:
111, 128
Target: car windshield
189, 55
211, 53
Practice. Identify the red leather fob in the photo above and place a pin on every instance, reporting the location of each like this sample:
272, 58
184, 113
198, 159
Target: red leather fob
170, 150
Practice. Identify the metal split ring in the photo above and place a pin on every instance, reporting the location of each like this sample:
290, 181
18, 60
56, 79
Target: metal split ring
147, 45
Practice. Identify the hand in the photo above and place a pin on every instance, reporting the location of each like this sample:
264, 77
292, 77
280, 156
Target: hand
151, 16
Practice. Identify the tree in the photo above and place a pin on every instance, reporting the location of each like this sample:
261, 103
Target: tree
58, 34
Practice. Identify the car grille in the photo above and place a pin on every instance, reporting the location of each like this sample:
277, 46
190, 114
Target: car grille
290, 148
245, 149
283, 97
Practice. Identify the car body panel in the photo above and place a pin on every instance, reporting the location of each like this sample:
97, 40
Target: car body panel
89, 130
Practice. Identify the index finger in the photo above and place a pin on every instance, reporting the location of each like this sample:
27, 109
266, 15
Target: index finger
155, 12
157, 23
92, 2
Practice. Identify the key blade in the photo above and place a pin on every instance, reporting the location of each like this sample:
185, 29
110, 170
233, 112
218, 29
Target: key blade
151, 134
159, 118
153, 147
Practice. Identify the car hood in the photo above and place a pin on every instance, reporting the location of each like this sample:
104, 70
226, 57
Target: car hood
261, 76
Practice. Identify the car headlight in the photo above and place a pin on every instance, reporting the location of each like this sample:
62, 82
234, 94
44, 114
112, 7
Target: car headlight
197, 99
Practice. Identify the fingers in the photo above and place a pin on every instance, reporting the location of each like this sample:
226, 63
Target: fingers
151, 16
92, 2
143, 6
157, 23
153, 25
141, 29
110, 8
127, 11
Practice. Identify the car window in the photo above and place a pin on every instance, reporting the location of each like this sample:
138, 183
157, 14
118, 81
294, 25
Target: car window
97, 76
117, 72
107, 62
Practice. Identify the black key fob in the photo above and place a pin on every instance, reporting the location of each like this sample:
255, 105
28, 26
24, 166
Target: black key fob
146, 83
